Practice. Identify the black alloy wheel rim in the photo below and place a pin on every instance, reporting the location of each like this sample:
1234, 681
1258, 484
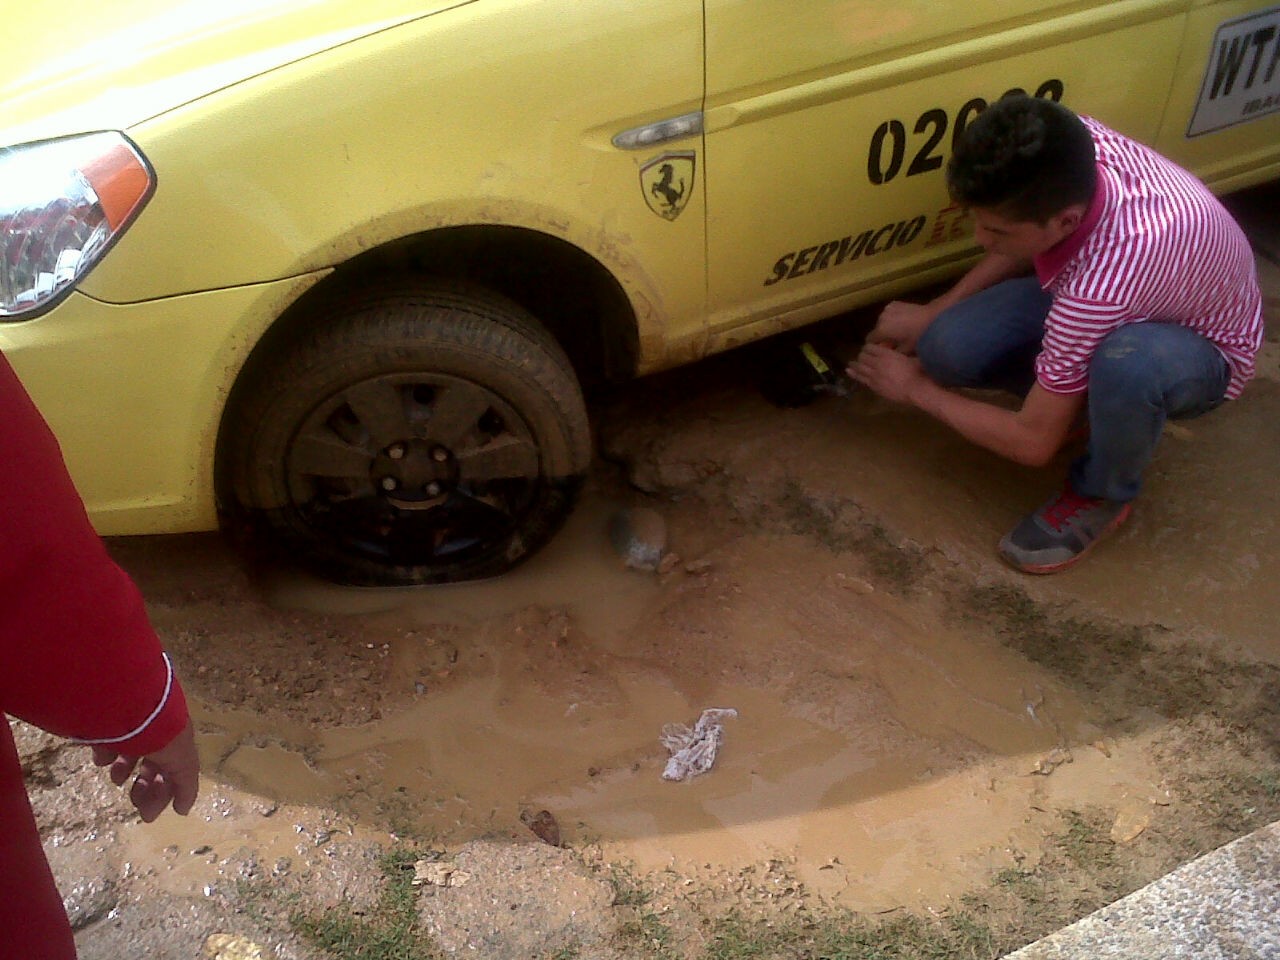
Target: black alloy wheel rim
414, 469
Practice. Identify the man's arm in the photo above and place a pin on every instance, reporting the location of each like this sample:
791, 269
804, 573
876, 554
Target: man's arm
78, 656
1031, 435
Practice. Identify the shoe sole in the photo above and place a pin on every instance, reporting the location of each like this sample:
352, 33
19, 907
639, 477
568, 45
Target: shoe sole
1043, 568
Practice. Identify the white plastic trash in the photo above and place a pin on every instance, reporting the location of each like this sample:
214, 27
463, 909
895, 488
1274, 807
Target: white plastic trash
693, 750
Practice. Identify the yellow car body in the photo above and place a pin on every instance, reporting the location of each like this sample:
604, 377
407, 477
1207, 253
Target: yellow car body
673, 177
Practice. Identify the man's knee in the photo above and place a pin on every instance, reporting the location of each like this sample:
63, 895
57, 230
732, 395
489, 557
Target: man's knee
1121, 368
1123, 346
989, 339
948, 353
955, 354
932, 351
1159, 365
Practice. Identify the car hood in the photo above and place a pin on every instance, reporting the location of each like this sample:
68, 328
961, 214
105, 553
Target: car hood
81, 65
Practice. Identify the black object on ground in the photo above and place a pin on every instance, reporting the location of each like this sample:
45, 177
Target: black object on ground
802, 375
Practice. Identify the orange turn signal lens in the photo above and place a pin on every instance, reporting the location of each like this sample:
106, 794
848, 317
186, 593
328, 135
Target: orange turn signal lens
63, 203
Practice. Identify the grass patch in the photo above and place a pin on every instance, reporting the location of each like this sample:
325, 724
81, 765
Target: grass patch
648, 936
960, 936
1080, 870
645, 934
1234, 804
1085, 842
1124, 664
839, 526
388, 932
1071, 646
627, 890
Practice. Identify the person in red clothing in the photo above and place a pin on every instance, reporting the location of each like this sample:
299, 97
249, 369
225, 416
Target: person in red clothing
78, 658
1114, 283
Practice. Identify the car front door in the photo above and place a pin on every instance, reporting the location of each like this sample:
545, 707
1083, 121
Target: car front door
828, 125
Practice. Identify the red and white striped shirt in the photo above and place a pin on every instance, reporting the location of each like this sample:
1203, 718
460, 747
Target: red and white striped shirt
1155, 244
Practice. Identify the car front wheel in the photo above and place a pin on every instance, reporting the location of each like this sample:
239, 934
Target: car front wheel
420, 433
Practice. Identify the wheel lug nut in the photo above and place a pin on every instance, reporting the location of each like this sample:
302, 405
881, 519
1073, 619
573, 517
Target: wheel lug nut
439, 454
396, 451
389, 483
433, 489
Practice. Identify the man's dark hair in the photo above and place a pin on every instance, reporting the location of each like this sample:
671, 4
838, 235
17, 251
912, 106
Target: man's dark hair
1024, 158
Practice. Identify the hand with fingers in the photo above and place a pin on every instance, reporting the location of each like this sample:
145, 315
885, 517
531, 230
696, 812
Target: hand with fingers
900, 325
168, 775
886, 371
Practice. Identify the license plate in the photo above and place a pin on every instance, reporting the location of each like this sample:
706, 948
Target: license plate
1242, 80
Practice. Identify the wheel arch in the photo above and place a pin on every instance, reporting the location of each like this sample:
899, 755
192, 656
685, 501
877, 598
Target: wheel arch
568, 291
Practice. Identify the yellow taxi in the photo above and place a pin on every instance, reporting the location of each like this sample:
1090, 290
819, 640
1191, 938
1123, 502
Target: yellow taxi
337, 271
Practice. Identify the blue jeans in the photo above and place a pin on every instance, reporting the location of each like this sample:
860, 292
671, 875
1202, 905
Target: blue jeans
1140, 375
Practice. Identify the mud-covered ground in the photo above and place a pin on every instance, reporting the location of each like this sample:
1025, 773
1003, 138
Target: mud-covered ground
931, 753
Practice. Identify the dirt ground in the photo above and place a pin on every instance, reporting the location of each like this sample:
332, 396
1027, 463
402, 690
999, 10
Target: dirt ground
929, 748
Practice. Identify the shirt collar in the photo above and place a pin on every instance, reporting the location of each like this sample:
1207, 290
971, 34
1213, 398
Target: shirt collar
1050, 263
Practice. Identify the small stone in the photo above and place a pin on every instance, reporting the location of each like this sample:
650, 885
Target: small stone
1051, 761
438, 873
855, 584
1129, 824
543, 825
89, 900
226, 946
639, 536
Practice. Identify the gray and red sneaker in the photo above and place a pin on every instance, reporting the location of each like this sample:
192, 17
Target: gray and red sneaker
1061, 532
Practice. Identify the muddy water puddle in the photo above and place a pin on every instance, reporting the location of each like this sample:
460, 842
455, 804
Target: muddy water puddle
887, 758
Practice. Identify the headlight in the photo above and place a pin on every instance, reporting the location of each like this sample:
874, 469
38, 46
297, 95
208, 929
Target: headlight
62, 204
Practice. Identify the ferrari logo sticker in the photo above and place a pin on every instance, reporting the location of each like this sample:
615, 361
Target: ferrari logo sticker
667, 183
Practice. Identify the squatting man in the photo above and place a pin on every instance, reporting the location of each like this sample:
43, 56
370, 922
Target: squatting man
1115, 292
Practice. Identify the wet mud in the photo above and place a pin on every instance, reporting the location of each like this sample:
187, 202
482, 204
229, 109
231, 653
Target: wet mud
913, 717
826, 579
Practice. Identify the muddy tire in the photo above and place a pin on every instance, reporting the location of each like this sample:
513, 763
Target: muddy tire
419, 433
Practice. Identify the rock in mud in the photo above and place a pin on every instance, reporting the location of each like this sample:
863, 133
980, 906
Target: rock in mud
639, 535
1130, 822
226, 946
543, 825
89, 900
1051, 761
439, 873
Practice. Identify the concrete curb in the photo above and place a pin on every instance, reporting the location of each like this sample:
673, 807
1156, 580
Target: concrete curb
1222, 906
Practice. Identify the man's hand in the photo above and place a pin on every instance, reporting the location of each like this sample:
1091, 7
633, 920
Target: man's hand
171, 773
887, 372
901, 324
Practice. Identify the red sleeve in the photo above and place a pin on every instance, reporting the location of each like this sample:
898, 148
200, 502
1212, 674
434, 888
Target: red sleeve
78, 656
